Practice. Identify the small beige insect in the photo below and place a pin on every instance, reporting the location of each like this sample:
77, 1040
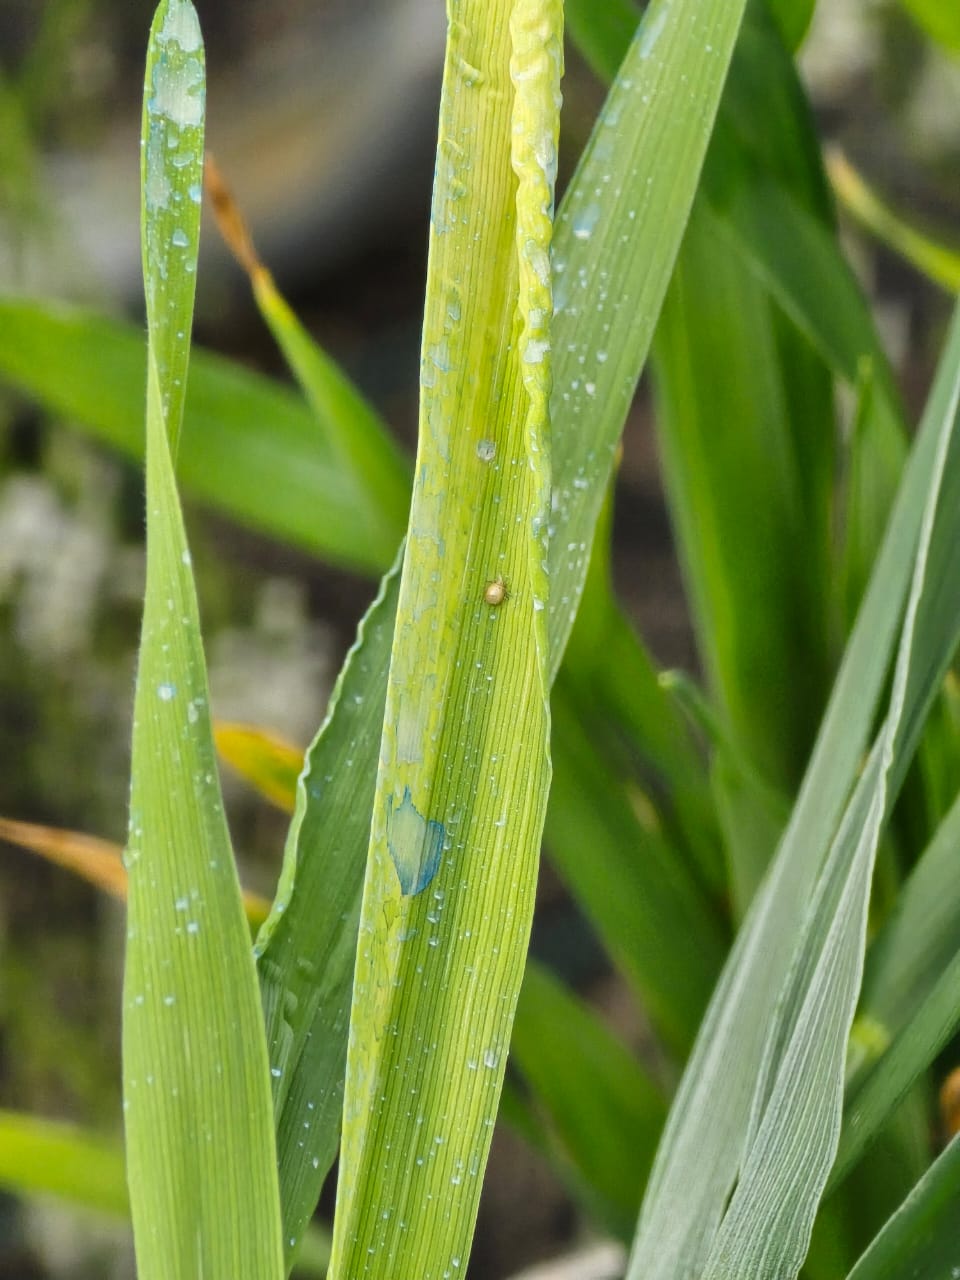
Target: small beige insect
496, 592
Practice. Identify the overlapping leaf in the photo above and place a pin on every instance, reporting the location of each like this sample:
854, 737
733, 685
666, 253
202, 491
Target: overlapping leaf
651, 109
920, 1240
85, 1170
761, 1109
600, 1111
246, 438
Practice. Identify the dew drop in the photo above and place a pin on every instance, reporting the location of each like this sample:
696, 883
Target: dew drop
585, 221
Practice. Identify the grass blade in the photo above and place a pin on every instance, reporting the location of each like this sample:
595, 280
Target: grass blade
464, 768
920, 1240
599, 1111
199, 1122
875, 1094
701, 1153
635, 722
602, 341
875, 459
90, 370
909, 1006
766, 1227
937, 261
633, 886
351, 429
796, 1121
919, 939
49, 1157
652, 110
97, 861
745, 527
268, 762
798, 259
306, 950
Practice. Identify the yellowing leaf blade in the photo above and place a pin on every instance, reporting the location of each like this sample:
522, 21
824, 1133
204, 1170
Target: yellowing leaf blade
464, 770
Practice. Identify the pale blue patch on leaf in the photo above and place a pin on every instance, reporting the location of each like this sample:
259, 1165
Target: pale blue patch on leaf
415, 844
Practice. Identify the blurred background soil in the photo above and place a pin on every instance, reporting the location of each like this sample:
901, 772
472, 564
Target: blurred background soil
322, 116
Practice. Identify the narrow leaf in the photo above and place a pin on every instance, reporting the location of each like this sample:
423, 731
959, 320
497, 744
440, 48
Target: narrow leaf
602, 332
306, 949
736, 497
880, 1088
921, 936
796, 1120
910, 1004
199, 1122
937, 261
246, 438
632, 886
600, 1111
49, 1157
268, 762
464, 770
303, 976
351, 429
97, 861
920, 1241
700, 1156
609, 671
876, 454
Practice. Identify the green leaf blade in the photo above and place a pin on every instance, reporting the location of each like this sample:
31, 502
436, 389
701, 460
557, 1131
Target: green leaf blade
245, 437
920, 1241
199, 1122
49, 1157
173, 118
306, 950
309, 1010
464, 769
724, 1112
600, 1111
632, 886
368, 453
599, 375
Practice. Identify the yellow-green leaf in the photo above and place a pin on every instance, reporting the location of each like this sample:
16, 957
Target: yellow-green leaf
97, 861
268, 762
464, 770
201, 1154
